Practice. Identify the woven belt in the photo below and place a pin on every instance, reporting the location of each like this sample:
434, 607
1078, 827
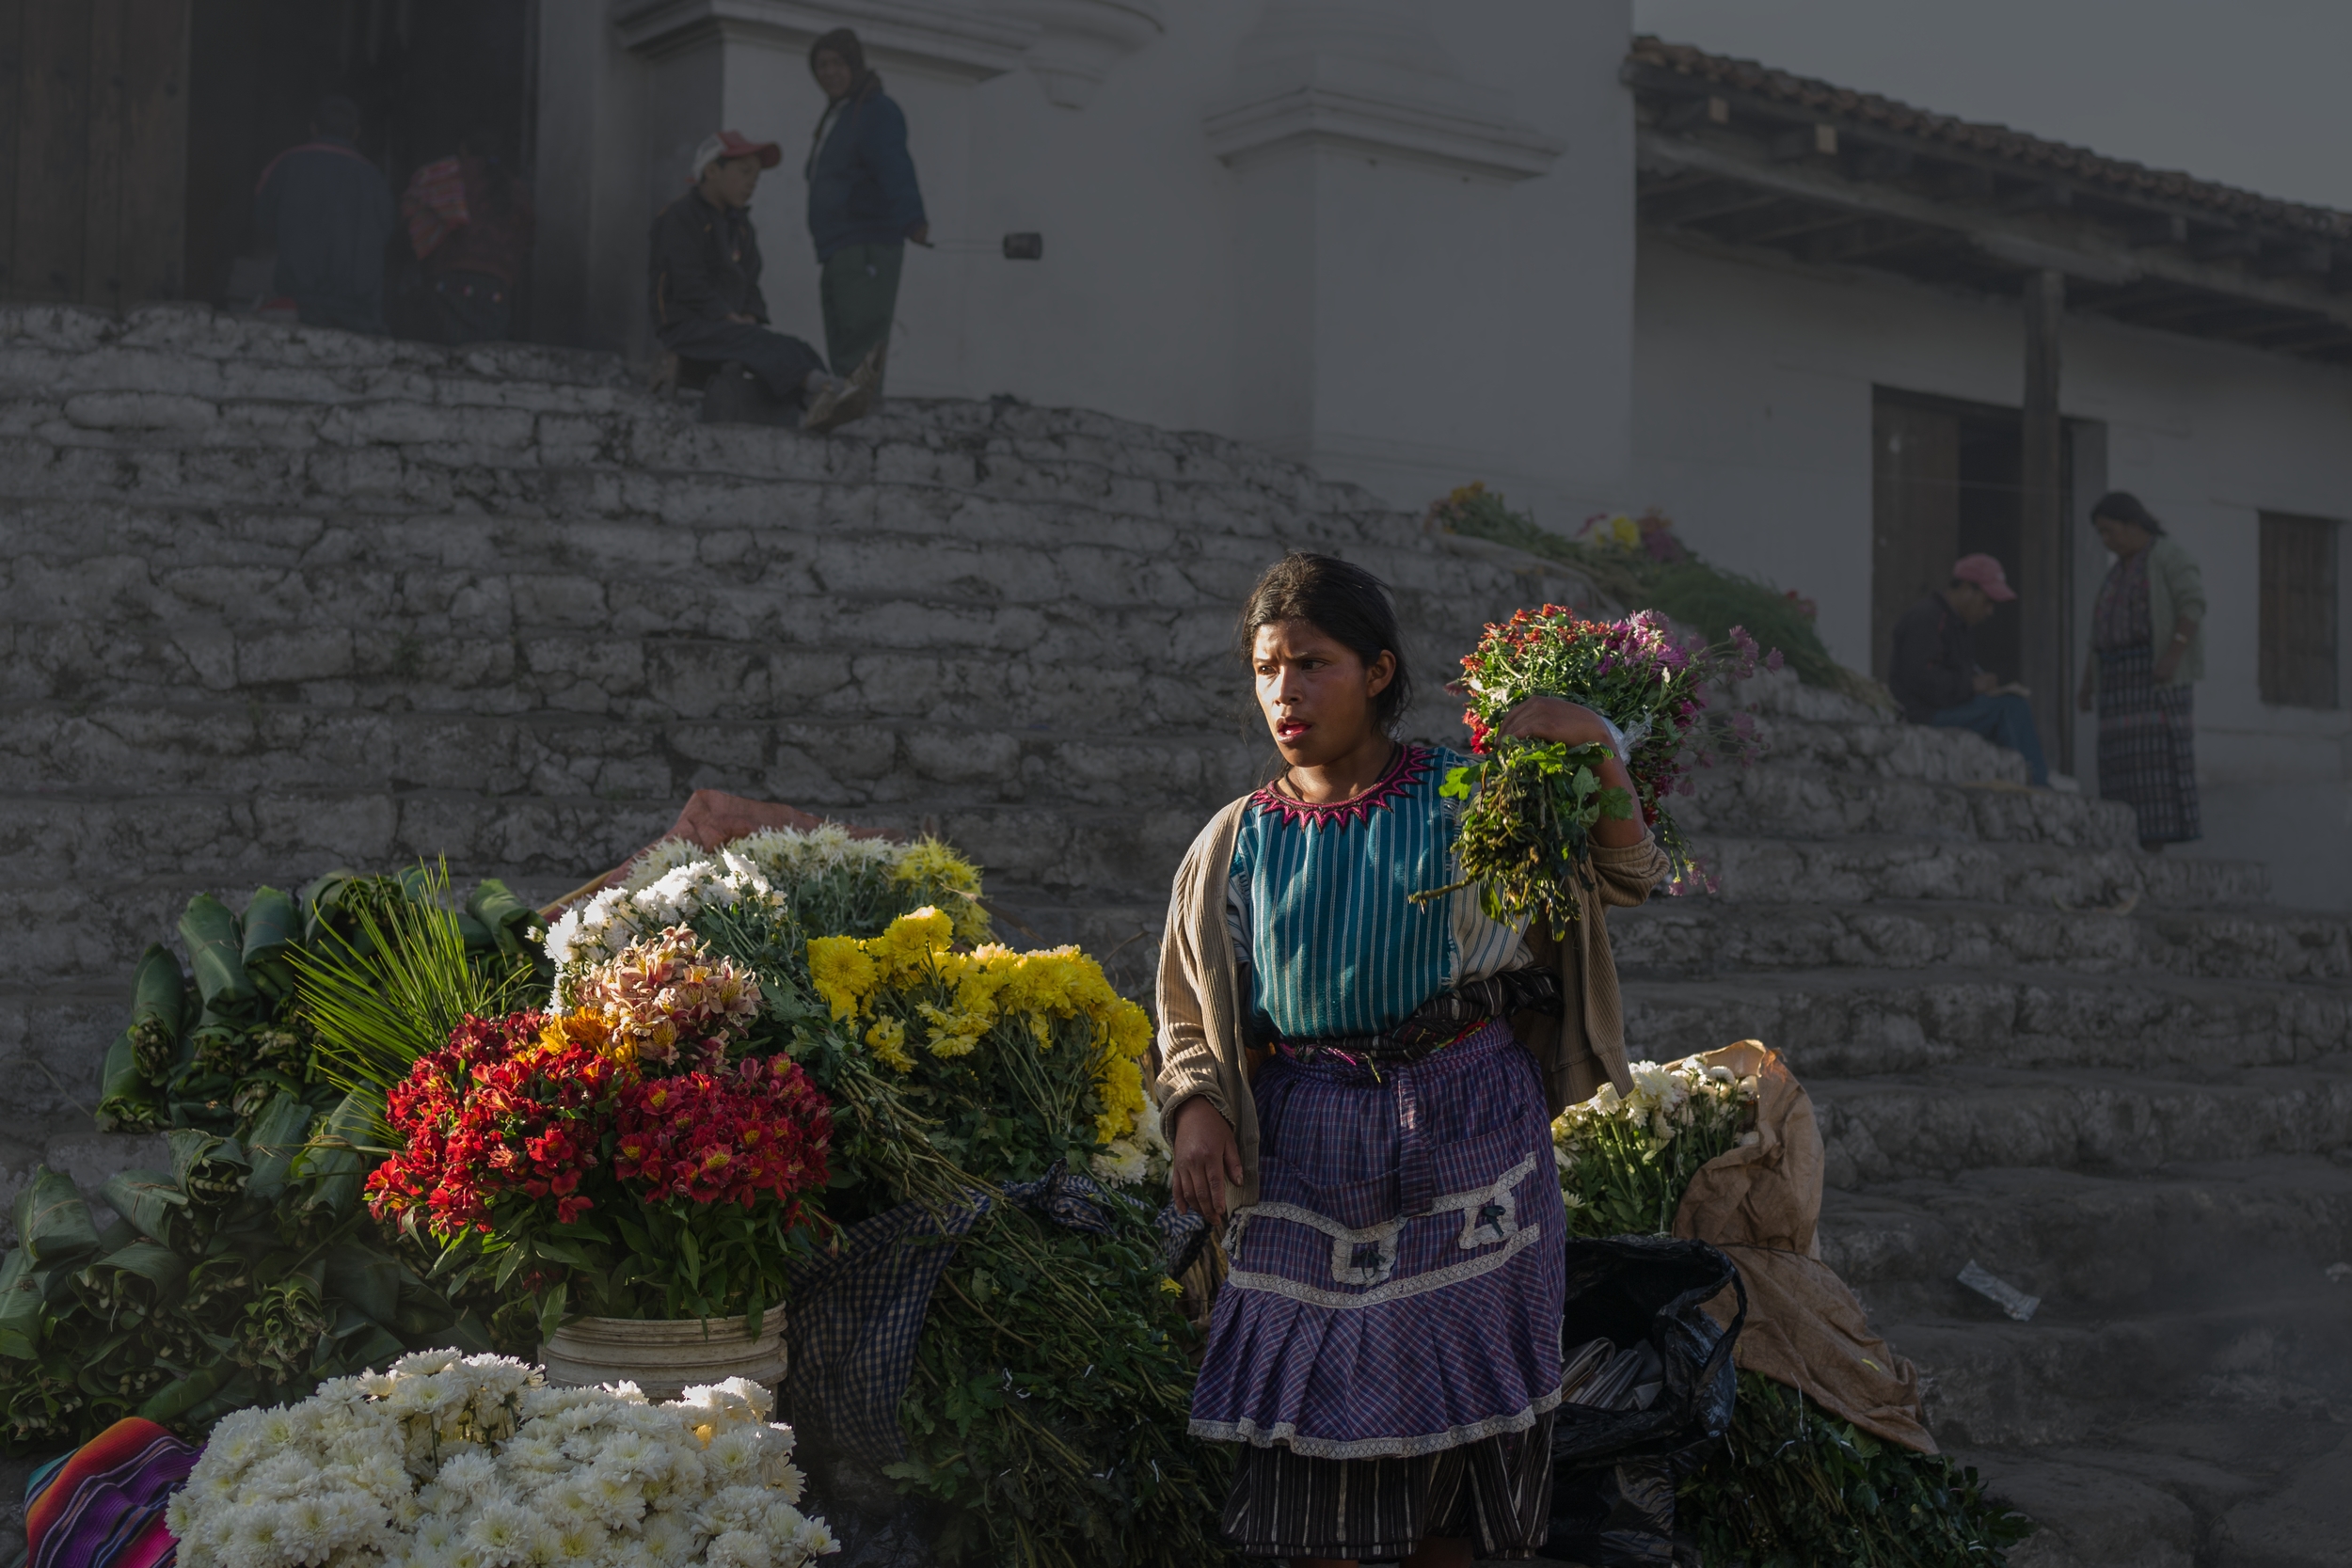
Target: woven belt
1440, 1021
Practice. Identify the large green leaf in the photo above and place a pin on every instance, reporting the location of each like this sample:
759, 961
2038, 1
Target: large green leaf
126, 1097
276, 1137
149, 1199
509, 920
174, 1399
273, 927
345, 1150
163, 1269
51, 1221
159, 1011
369, 1280
212, 1170
216, 953
23, 1304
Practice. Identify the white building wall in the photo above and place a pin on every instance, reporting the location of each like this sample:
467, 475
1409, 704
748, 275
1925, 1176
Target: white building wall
1411, 271
1752, 417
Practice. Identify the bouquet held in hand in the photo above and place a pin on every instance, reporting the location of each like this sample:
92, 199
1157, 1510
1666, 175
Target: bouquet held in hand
1526, 838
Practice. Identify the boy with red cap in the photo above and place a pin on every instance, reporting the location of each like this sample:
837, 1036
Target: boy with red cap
1935, 673
707, 304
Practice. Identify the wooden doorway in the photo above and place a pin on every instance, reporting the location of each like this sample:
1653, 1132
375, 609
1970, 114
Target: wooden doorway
93, 139
1946, 482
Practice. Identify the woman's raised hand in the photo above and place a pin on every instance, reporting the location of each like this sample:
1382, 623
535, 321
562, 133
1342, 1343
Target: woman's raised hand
1204, 1159
1553, 719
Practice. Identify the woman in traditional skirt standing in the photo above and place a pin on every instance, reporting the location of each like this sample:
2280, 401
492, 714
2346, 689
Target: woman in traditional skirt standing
2147, 650
1366, 1085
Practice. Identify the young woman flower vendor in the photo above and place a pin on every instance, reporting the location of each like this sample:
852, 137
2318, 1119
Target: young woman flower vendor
1366, 1085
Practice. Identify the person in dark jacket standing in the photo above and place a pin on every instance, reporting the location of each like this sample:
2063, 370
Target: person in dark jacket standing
329, 212
707, 304
1935, 673
863, 204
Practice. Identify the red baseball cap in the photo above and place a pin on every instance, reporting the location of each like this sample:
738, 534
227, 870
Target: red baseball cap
733, 144
1986, 574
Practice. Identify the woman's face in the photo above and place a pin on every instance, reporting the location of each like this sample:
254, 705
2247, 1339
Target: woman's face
2119, 537
1316, 694
833, 75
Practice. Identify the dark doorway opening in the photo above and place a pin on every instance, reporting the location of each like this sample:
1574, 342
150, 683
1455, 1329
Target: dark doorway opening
423, 72
1947, 480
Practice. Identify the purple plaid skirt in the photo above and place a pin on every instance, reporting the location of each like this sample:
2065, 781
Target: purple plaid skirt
1398, 1289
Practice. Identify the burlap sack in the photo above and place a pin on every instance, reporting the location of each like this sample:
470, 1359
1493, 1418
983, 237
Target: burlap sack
1762, 1203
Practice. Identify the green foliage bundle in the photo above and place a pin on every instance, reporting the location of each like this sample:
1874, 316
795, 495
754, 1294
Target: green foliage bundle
211, 1052
1794, 1486
1046, 1413
243, 1276
1668, 577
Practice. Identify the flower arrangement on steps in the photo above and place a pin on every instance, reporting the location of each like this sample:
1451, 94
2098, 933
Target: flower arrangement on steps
654, 1114
1795, 1483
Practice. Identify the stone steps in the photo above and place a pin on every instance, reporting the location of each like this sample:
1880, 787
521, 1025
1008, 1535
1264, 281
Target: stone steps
178, 741
1865, 871
2055, 1381
2088, 1240
1849, 1022
1797, 801
1710, 940
1936, 1125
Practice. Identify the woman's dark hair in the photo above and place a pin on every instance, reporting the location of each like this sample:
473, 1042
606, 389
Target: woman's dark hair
1346, 604
864, 84
2121, 506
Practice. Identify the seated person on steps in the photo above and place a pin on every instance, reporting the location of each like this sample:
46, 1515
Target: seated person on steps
707, 304
1935, 674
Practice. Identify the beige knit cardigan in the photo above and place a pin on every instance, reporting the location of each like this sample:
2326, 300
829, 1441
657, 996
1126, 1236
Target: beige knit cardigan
1200, 1048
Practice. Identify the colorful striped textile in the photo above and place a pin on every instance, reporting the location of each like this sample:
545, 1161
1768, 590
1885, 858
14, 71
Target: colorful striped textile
102, 1506
1320, 902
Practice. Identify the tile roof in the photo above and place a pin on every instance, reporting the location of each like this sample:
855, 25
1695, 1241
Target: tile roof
2028, 154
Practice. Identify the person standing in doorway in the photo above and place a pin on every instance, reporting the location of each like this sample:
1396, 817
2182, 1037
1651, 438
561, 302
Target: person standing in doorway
863, 204
328, 211
1935, 673
2147, 654
707, 304
471, 225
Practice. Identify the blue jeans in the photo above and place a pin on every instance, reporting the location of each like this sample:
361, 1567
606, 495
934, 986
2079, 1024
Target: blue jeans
2006, 720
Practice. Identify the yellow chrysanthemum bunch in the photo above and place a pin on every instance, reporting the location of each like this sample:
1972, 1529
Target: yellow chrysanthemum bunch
927, 861
959, 997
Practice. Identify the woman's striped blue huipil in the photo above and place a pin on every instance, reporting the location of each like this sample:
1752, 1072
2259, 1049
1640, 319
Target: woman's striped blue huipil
1319, 902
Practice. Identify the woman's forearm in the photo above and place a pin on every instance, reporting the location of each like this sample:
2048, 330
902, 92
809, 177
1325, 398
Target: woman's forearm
1619, 832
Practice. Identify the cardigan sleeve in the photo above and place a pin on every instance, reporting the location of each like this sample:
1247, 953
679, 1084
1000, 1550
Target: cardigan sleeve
1188, 1057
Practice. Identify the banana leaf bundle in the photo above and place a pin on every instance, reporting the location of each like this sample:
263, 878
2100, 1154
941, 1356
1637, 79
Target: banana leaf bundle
246, 1274
213, 1046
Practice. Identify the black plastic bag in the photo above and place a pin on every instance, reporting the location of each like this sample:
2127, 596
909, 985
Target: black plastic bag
1613, 1471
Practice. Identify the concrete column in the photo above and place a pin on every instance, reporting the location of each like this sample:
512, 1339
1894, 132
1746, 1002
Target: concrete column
1391, 330
2043, 577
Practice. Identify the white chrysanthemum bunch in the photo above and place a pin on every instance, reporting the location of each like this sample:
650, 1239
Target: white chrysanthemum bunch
471, 1462
788, 855
1142, 1155
668, 886
1668, 1101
